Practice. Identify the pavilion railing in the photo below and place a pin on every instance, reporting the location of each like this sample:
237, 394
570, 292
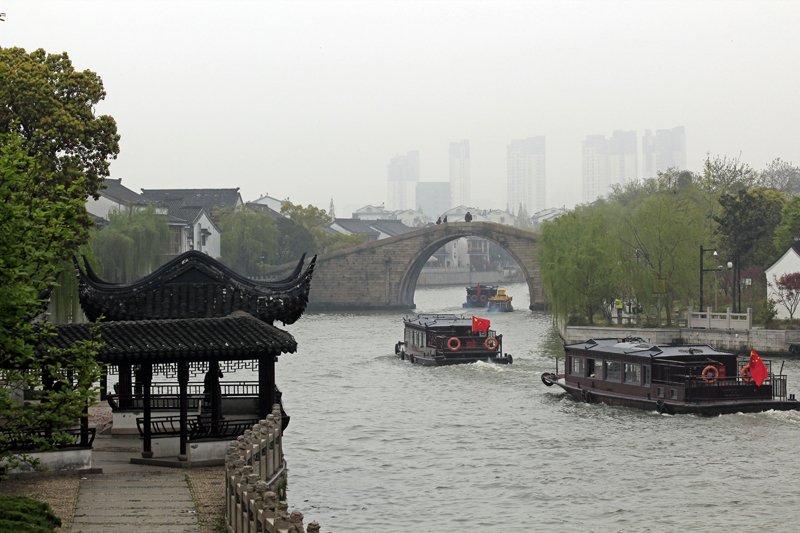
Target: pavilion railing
255, 481
83, 439
197, 427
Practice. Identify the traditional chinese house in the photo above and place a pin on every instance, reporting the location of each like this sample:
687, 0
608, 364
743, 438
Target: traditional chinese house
168, 338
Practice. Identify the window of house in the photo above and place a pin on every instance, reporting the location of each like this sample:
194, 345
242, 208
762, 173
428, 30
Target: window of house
660, 392
576, 366
632, 373
613, 370
646, 375
594, 368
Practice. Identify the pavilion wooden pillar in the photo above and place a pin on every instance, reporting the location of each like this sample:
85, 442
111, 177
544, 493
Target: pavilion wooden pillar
125, 389
266, 385
147, 449
215, 392
103, 383
183, 381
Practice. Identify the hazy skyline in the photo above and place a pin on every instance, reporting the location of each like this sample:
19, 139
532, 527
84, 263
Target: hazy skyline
311, 100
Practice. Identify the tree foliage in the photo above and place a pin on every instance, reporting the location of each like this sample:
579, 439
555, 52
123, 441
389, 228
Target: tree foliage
747, 224
789, 227
781, 176
132, 245
578, 263
248, 242
315, 220
50, 105
40, 226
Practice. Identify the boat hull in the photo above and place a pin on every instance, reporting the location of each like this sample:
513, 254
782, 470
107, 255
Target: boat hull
716, 408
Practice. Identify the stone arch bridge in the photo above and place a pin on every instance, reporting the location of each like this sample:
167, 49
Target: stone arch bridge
383, 274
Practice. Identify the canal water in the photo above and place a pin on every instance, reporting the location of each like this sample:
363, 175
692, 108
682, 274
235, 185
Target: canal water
378, 444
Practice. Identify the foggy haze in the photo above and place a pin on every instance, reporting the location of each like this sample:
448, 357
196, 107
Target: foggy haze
310, 100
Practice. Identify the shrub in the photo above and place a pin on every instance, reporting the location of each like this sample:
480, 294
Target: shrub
25, 515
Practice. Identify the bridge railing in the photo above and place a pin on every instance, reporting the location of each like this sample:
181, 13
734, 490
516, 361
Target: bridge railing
726, 320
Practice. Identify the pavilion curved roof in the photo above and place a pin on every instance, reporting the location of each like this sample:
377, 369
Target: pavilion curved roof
194, 285
239, 336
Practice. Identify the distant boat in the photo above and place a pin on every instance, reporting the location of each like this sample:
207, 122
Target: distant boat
436, 340
500, 303
478, 295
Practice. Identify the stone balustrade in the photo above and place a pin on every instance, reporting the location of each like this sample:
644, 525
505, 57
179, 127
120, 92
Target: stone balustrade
255, 477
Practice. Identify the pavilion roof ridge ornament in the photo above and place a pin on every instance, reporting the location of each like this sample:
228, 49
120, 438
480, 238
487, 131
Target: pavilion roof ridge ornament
194, 285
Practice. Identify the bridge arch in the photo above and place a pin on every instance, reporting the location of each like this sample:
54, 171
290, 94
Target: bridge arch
383, 274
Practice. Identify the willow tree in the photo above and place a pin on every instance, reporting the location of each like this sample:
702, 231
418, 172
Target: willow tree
132, 245
578, 262
662, 236
248, 240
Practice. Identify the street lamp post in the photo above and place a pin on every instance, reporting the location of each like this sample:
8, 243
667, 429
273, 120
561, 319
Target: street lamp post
702, 310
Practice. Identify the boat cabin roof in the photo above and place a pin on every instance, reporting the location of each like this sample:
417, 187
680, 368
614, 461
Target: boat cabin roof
634, 346
438, 321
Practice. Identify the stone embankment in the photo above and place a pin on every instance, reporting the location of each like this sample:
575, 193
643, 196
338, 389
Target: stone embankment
763, 341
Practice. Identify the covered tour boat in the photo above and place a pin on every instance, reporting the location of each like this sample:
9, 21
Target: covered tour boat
436, 340
500, 303
670, 379
478, 295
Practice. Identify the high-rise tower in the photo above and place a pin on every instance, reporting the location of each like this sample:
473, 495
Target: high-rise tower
459, 174
402, 178
527, 186
666, 149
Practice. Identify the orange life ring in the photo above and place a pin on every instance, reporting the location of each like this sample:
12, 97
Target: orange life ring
450, 343
483, 297
710, 369
473, 298
746, 377
492, 341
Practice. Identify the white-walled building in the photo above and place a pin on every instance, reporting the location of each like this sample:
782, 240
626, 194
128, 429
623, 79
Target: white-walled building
269, 201
789, 263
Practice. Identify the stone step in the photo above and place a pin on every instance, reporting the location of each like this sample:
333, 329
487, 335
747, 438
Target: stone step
129, 528
134, 497
135, 520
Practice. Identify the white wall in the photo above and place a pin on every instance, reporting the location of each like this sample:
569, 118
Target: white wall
788, 264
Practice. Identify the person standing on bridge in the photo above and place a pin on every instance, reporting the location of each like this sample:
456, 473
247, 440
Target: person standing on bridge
468, 217
438, 221
444, 220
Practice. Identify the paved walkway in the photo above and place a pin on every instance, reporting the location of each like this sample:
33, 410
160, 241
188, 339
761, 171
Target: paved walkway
155, 502
128, 498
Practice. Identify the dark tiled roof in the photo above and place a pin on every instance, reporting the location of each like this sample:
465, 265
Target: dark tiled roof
194, 285
116, 190
236, 337
208, 199
266, 209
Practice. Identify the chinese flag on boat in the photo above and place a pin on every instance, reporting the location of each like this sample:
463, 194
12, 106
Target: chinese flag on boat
479, 324
758, 370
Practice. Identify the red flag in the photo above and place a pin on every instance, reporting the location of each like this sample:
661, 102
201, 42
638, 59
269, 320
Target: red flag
479, 324
758, 370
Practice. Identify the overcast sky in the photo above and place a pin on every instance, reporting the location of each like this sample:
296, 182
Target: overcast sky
310, 100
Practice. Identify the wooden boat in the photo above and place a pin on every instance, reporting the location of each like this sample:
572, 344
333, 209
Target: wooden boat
668, 379
478, 295
436, 340
500, 303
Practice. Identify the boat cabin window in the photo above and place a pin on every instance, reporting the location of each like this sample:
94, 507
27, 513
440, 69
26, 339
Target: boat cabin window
613, 371
576, 366
646, 375
633, 373
673, 394
660, 392
594, 368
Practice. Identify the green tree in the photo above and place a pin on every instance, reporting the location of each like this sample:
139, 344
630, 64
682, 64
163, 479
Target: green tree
50, 105
789, 226
293, 240
249, 239
662, 235
578, 261
747, 224
40, 226
133, 245
316, 220
781, 176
